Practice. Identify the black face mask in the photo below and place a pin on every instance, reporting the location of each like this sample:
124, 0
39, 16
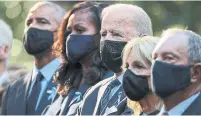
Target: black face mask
38, 41
78, 46
135, 86
110, 52
168, 79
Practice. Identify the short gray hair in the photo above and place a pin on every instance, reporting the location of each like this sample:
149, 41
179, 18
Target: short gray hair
6, 36
194, 43
142, 21
60, 12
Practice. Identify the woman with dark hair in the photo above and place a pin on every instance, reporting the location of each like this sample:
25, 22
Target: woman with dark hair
78, 46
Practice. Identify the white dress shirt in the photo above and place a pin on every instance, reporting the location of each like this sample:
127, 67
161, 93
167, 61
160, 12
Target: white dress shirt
3, 77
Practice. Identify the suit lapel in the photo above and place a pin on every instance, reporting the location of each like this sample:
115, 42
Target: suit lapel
194, 108
18, 103
55, 107
27, 85
66, 104
48, 96
115, 101
61, 104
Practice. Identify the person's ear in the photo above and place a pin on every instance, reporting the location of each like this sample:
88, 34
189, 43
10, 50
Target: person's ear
196, 73
4, 51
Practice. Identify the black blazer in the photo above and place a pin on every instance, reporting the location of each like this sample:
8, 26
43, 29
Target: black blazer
15, 97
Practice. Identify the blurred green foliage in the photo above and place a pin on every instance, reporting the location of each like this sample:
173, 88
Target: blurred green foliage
164, 14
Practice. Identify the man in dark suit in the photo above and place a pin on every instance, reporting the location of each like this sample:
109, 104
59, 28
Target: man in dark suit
11, 73
30, 95
120, 23
176, 72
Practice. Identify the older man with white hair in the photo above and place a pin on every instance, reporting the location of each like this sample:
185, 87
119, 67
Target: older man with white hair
120, 23
11, 73
6, 40
30, 95
176, 72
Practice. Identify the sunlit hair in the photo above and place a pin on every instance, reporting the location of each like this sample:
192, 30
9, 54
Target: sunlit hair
141, 48
193, 45
142, 21
70, 74
6, 37
60, 12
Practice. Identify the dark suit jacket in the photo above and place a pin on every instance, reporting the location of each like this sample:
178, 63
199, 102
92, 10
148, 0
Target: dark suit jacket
14, 73
194, 108
68, 105
55, 107
91, 102
15, 97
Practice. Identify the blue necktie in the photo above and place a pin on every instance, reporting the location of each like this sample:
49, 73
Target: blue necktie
33, 98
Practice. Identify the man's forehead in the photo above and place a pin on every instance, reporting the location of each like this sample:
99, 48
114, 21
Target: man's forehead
117, 19
117, 22
42, 12
173, 42
177, 38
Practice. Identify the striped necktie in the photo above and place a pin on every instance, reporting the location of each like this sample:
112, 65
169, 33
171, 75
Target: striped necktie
106, 96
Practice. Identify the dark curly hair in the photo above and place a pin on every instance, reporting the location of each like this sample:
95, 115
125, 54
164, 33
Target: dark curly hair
70, 74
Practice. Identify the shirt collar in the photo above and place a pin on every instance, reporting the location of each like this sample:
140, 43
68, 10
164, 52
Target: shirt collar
48, 70
120, 78
3, 77
181, 107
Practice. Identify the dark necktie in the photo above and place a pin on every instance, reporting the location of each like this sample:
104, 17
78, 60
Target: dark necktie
33, 98
106, 96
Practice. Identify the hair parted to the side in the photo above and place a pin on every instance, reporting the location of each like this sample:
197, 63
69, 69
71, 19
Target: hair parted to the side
142, 48
69, 74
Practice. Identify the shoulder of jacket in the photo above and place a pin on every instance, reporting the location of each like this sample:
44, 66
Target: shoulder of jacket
97, 86
19, 81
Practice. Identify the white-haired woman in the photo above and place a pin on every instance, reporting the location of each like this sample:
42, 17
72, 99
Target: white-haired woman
137, 62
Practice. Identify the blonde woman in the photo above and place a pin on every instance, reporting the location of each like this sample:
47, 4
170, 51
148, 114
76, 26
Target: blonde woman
137, 62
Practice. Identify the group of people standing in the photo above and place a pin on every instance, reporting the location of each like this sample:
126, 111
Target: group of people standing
100, 59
